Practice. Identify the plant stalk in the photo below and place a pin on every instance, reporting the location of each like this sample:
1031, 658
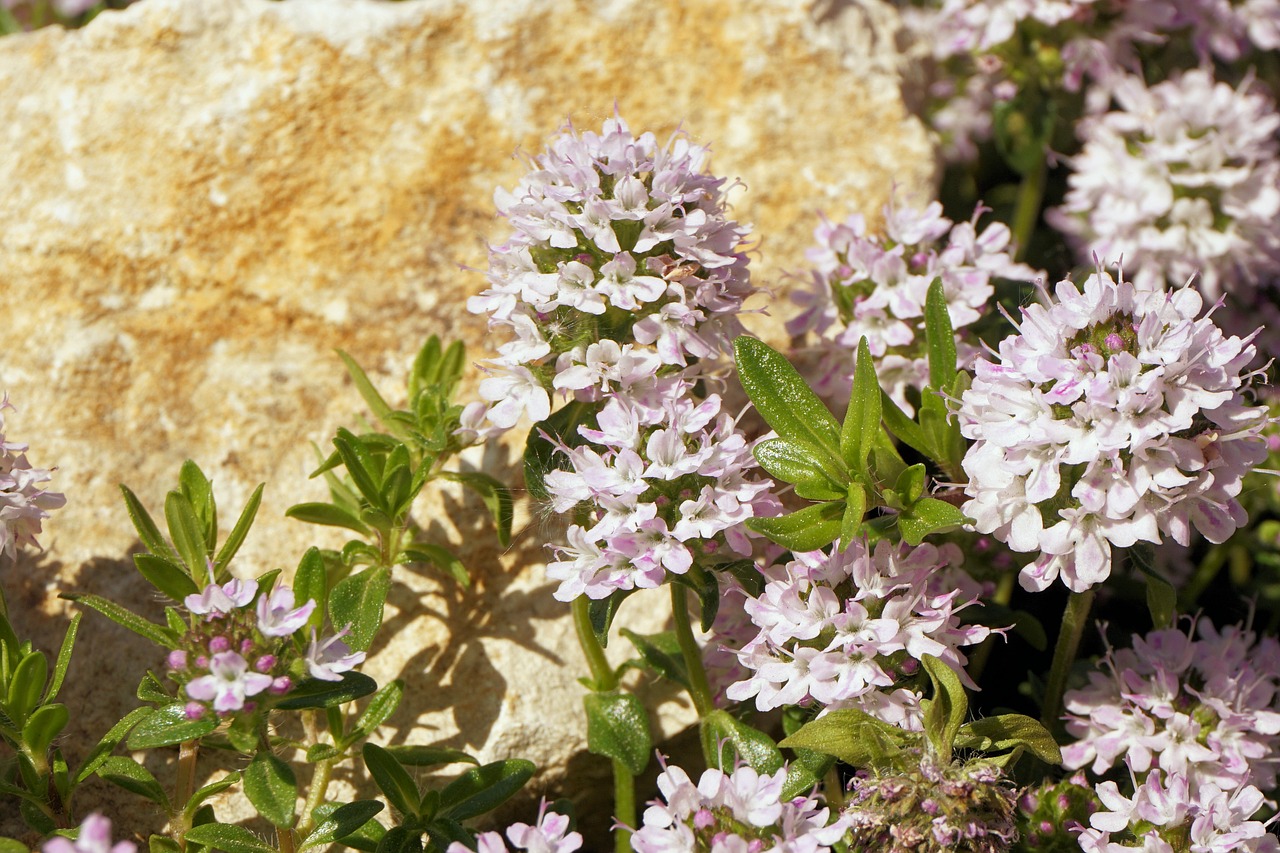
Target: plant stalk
1027, 213
188, 752
1074, 618
699, 687
315, 794
1003, 594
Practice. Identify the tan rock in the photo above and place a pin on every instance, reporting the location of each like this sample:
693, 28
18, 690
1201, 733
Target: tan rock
202, 200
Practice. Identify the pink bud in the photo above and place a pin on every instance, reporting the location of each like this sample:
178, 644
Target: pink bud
177, 659
194, 710
280, 685
202, 662
1114, 342
246, 646
703, 818
265, 663
219, 644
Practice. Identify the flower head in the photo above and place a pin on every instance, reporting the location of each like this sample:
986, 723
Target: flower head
228, 684
277, 617
94, 837
23, 503
329, 659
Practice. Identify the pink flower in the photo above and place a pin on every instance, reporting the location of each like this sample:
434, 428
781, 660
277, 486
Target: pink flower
328, 660
229, 683
277, 617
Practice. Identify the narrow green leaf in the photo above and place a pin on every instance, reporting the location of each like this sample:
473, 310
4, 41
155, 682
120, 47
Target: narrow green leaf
618, 727
785, 400
540, 455
910, 484
34, 814
197, 489
496, 497
12, 845
862, 418
855, 508
380, 707
344, 821
188, 535
441, 558
165, 575
315, 693
792, 462
238, 533
662, 653
929, 515
430, 756
357, 601
426, 367
372, 398
157, 634
1162, 598
148, 532
940, 337
726, 739
210, 790
64, 659
109, 742
272, 788
364, 470
905, 428
318, 752
807, 529
330, 515
601, 612
20, 793
232, 839
133, 777
168, 726
162, 844
855, 737
1009, 731
945, 711
482, 789
45, 724
392, 779
28, 684
311, 583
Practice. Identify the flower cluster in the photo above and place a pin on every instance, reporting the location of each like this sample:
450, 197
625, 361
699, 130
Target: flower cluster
245, 645
1051, 815
94, 837
849, 628
623, 262
549, 835
1169, 814
23, 503
661, 480
1114, 415
738, 812
1206, 710
1182, 181
931, 808
865, 284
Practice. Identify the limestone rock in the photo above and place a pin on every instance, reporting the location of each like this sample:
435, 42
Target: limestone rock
204, 199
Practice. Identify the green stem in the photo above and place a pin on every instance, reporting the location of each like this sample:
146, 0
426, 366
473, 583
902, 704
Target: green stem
1003, 594
188, 753
699, 687
284, 839
834, 789
624, 806
315, 795
1074, 618
1027, 213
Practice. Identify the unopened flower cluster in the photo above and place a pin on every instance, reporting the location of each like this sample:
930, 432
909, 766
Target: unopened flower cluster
931, 808
848, 628
1183, 180
244, 644
866, 285
738, 812
24, 504
1114, 416
622, 263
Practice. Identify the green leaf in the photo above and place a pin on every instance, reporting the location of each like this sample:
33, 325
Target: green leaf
540, 455
1010, 731
165, 575
855, 737
706, 586
484, 788
365, 470
238, 533
1162, 598
904, 427
318, 752
601, 612
315, 693
429, 756
36, 818
162, 844
372, 398
855, 508
940, 336
344, 821
910, 484
792, 462
148, 532
928, 515
357, 601
392, 779
726, 739
945, 711
330, 515
441, 558
380, 707
618, 727
210, 790
157, 634
12, 845
662, 653
862, 418
133, 777
785, 400
399, 839
198, 490
26, 686
311, 583
43, 726
496, 497
232, 839
168, 726
109, 742
188, 535
807, 529
272, 788
64, 659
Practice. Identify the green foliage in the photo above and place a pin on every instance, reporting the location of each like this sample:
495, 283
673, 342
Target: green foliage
618, 728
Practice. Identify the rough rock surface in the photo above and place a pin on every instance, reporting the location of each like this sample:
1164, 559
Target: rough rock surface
202, 200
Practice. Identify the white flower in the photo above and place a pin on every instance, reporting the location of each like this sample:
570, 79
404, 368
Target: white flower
229, 683
329, 659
